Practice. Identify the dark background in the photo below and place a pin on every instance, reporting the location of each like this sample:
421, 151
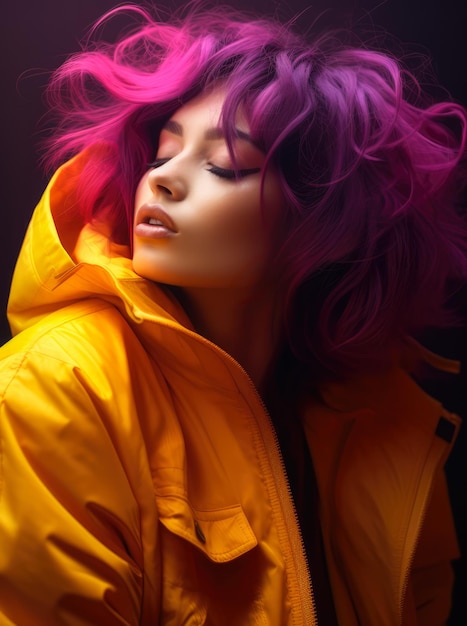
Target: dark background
36, 36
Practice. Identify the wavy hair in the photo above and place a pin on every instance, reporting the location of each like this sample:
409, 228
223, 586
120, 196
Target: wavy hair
372, 234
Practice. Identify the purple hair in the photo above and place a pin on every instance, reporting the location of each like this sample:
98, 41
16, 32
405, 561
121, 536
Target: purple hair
372, 234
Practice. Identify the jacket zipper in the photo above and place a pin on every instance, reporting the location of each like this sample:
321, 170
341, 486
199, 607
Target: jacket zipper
284, 491
310, 614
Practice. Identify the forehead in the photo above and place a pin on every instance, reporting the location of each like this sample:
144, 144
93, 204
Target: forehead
205, 110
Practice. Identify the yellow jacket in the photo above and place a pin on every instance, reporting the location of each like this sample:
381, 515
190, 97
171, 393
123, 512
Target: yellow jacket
141, 480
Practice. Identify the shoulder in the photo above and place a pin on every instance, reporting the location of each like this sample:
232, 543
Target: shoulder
80, 379
87, 349
69, 333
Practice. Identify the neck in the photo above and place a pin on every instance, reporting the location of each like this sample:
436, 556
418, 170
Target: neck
245, 325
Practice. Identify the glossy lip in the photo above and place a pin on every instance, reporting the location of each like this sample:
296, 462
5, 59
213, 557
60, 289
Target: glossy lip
154, 211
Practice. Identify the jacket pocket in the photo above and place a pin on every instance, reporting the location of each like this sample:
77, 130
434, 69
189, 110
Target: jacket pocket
212, 569
221, 534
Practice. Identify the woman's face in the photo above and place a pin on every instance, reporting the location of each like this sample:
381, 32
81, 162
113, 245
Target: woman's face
195, 224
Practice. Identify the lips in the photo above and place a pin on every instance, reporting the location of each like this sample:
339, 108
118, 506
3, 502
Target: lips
153, 221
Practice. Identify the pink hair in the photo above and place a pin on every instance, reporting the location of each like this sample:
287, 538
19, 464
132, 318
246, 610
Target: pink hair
372, 234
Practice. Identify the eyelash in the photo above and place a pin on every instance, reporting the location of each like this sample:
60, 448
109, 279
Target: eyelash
221, 172
156, 163
232, 174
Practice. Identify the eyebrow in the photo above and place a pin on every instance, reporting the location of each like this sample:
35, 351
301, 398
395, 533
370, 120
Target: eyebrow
211, 134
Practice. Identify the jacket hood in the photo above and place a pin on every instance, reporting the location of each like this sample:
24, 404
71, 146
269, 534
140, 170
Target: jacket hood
63, 260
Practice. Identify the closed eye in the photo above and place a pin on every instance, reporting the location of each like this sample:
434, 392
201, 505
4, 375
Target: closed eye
221, 172
232, 174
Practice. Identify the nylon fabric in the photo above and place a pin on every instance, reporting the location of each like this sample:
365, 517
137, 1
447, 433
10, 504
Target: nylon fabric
139, 484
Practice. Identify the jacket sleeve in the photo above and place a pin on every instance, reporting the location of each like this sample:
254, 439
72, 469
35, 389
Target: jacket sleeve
432, 574
69, 524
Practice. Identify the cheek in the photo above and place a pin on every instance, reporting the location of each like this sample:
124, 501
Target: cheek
236, 222
239, 242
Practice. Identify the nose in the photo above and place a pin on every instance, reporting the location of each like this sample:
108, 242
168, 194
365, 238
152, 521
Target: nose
168, 180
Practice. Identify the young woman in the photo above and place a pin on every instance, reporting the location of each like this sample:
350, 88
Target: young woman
207, 414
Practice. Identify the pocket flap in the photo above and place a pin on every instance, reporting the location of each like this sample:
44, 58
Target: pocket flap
222, 534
